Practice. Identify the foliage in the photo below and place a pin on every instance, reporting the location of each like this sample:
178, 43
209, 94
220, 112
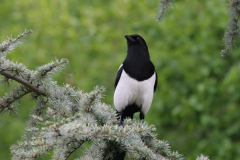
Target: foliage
196, 105
231, 33
202, 157
64, 118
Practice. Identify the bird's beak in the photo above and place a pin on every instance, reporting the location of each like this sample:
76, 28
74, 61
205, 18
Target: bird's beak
129, 38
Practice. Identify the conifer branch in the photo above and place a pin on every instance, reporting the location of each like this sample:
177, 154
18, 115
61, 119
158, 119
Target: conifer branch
202, 157
26, 83
73, 149
10, 44
95, 151
12, 96
49, 68
164, 5
19, 73
231, 33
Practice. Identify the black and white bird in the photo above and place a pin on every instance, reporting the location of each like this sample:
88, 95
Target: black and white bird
136, 80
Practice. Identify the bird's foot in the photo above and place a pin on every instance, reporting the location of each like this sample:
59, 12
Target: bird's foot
120, 124
149, 136
120, 121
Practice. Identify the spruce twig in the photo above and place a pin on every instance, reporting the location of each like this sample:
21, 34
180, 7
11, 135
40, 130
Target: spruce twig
10, 44
12, 96
26, 83
49, 68
164, 5
73, 149
232, 33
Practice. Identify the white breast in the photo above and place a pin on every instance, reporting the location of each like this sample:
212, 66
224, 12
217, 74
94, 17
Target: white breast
129, 91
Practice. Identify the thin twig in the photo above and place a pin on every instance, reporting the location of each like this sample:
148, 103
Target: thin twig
74, 149
164, 7
15, 98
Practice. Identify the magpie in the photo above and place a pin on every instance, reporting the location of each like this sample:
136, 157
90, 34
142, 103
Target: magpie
136, 80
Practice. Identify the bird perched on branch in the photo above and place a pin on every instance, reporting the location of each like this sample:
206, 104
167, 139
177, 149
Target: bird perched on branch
136, 80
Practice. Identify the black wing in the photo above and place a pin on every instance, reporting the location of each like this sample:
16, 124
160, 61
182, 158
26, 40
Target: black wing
118, 76
156, 81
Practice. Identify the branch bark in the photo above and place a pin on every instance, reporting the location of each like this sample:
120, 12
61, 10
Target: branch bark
160, 156
74, 149
3, 106
26, 83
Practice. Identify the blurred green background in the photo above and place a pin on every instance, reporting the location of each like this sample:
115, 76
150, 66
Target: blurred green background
196, 105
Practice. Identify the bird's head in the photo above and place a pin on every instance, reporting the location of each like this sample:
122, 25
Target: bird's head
136, 42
